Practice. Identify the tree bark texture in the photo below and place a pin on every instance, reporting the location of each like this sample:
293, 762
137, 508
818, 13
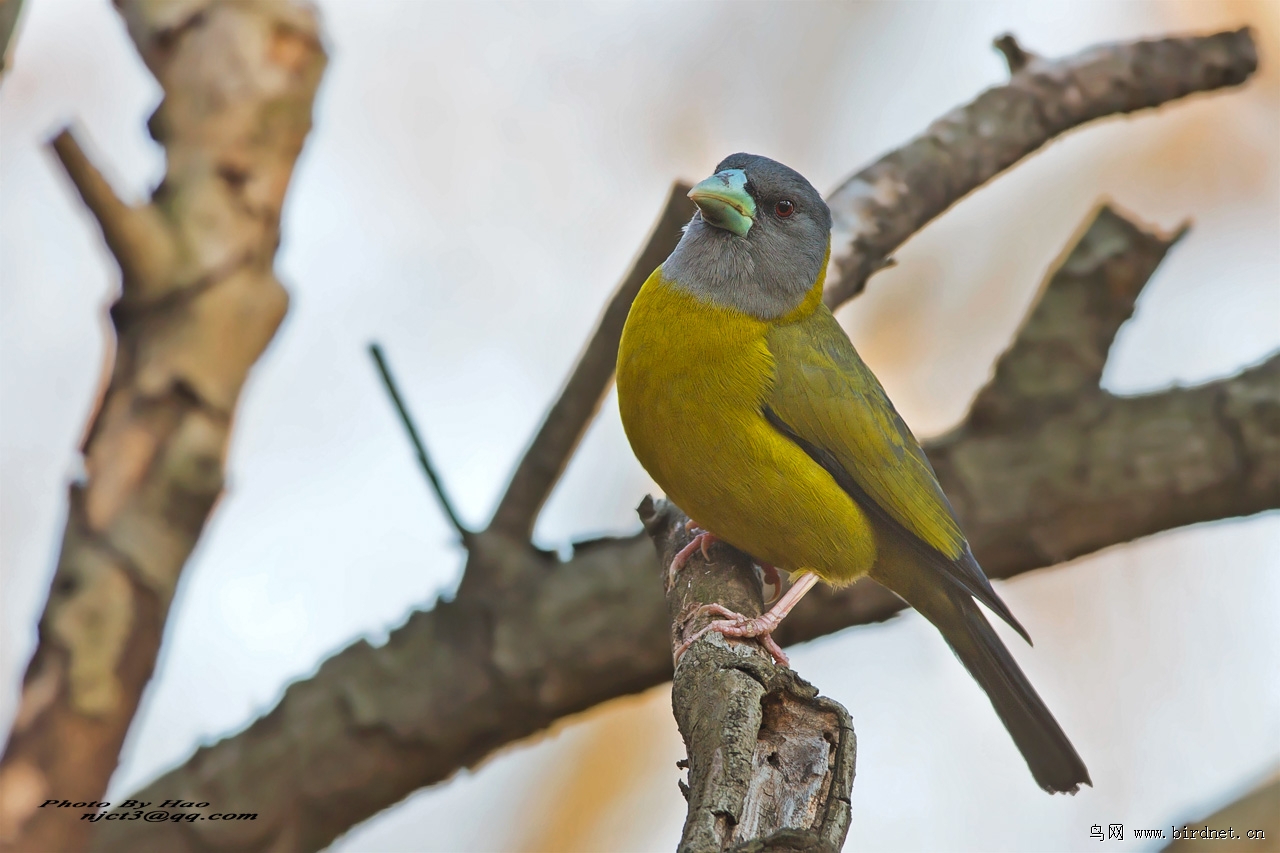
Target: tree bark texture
1047, 467
198, 304
771, 762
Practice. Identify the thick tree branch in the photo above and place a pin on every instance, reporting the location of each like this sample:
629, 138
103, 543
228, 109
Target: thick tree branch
876, 210
498, 664
770, 763
543, 463
1257, 810
199, 303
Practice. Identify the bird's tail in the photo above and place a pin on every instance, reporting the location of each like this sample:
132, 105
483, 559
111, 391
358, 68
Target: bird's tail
1050, 755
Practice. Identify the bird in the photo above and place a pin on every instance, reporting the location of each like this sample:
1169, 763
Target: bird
746, 402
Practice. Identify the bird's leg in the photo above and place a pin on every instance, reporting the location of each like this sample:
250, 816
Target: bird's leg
762, 627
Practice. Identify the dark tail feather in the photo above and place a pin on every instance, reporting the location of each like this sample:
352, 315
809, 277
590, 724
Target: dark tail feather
1051, 757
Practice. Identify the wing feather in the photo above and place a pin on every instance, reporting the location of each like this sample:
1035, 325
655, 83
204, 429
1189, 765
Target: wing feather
826, 400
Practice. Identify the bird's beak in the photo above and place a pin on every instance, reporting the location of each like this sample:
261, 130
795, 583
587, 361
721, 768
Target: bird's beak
724, 201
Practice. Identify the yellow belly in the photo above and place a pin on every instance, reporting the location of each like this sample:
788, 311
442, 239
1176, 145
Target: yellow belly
691, 380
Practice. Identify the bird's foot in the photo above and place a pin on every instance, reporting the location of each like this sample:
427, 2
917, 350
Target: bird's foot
762, 627
734, 624
700, 542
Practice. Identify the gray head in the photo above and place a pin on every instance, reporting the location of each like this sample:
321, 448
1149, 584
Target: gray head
758, 240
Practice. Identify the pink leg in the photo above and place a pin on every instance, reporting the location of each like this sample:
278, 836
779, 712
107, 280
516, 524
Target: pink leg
762, 627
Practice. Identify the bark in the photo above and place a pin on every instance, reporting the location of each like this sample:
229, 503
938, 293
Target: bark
198, 304
541, 638
771, 762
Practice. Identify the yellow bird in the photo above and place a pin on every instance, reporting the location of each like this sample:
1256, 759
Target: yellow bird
747, 403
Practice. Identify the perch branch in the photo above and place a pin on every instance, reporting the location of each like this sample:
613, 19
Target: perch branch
482, 671
771, 763
424, 459
199, 304
876, 210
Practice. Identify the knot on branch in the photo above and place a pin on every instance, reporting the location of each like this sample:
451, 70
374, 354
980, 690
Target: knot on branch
1015, 56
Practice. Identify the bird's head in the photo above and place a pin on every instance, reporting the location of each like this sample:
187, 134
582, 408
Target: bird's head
758, 241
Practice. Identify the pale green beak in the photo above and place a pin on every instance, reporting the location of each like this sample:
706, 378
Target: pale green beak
724, 201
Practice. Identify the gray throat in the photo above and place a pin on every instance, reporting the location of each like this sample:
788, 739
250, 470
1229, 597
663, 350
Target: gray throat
764, 280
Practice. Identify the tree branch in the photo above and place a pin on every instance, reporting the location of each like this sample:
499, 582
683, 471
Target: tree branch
496, 665
424, 459
543, 463
876, 210
770, 763
1256, 810
137, 236
199, 303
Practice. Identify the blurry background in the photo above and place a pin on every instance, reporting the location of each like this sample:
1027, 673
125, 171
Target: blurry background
478, 179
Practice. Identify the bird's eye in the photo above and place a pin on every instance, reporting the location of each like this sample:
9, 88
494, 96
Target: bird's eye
784, 209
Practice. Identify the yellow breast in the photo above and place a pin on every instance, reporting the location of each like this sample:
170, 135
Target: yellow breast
692, 377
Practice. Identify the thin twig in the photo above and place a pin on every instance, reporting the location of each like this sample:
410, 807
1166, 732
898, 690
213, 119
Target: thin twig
423, 458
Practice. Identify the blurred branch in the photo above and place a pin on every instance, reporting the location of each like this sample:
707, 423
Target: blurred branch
424, 460
876, 210
1014, 55
1257, 810
199, 303
1060, 475
771, 763
548, 454
10, 10
137, 236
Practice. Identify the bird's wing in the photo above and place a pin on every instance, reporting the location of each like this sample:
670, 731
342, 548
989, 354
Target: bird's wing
827, 401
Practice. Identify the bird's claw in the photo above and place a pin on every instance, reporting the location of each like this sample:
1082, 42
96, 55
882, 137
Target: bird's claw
700, 542
734, 624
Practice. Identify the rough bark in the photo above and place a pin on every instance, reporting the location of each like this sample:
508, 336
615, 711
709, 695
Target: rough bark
198, 304
771, 762
471, 675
